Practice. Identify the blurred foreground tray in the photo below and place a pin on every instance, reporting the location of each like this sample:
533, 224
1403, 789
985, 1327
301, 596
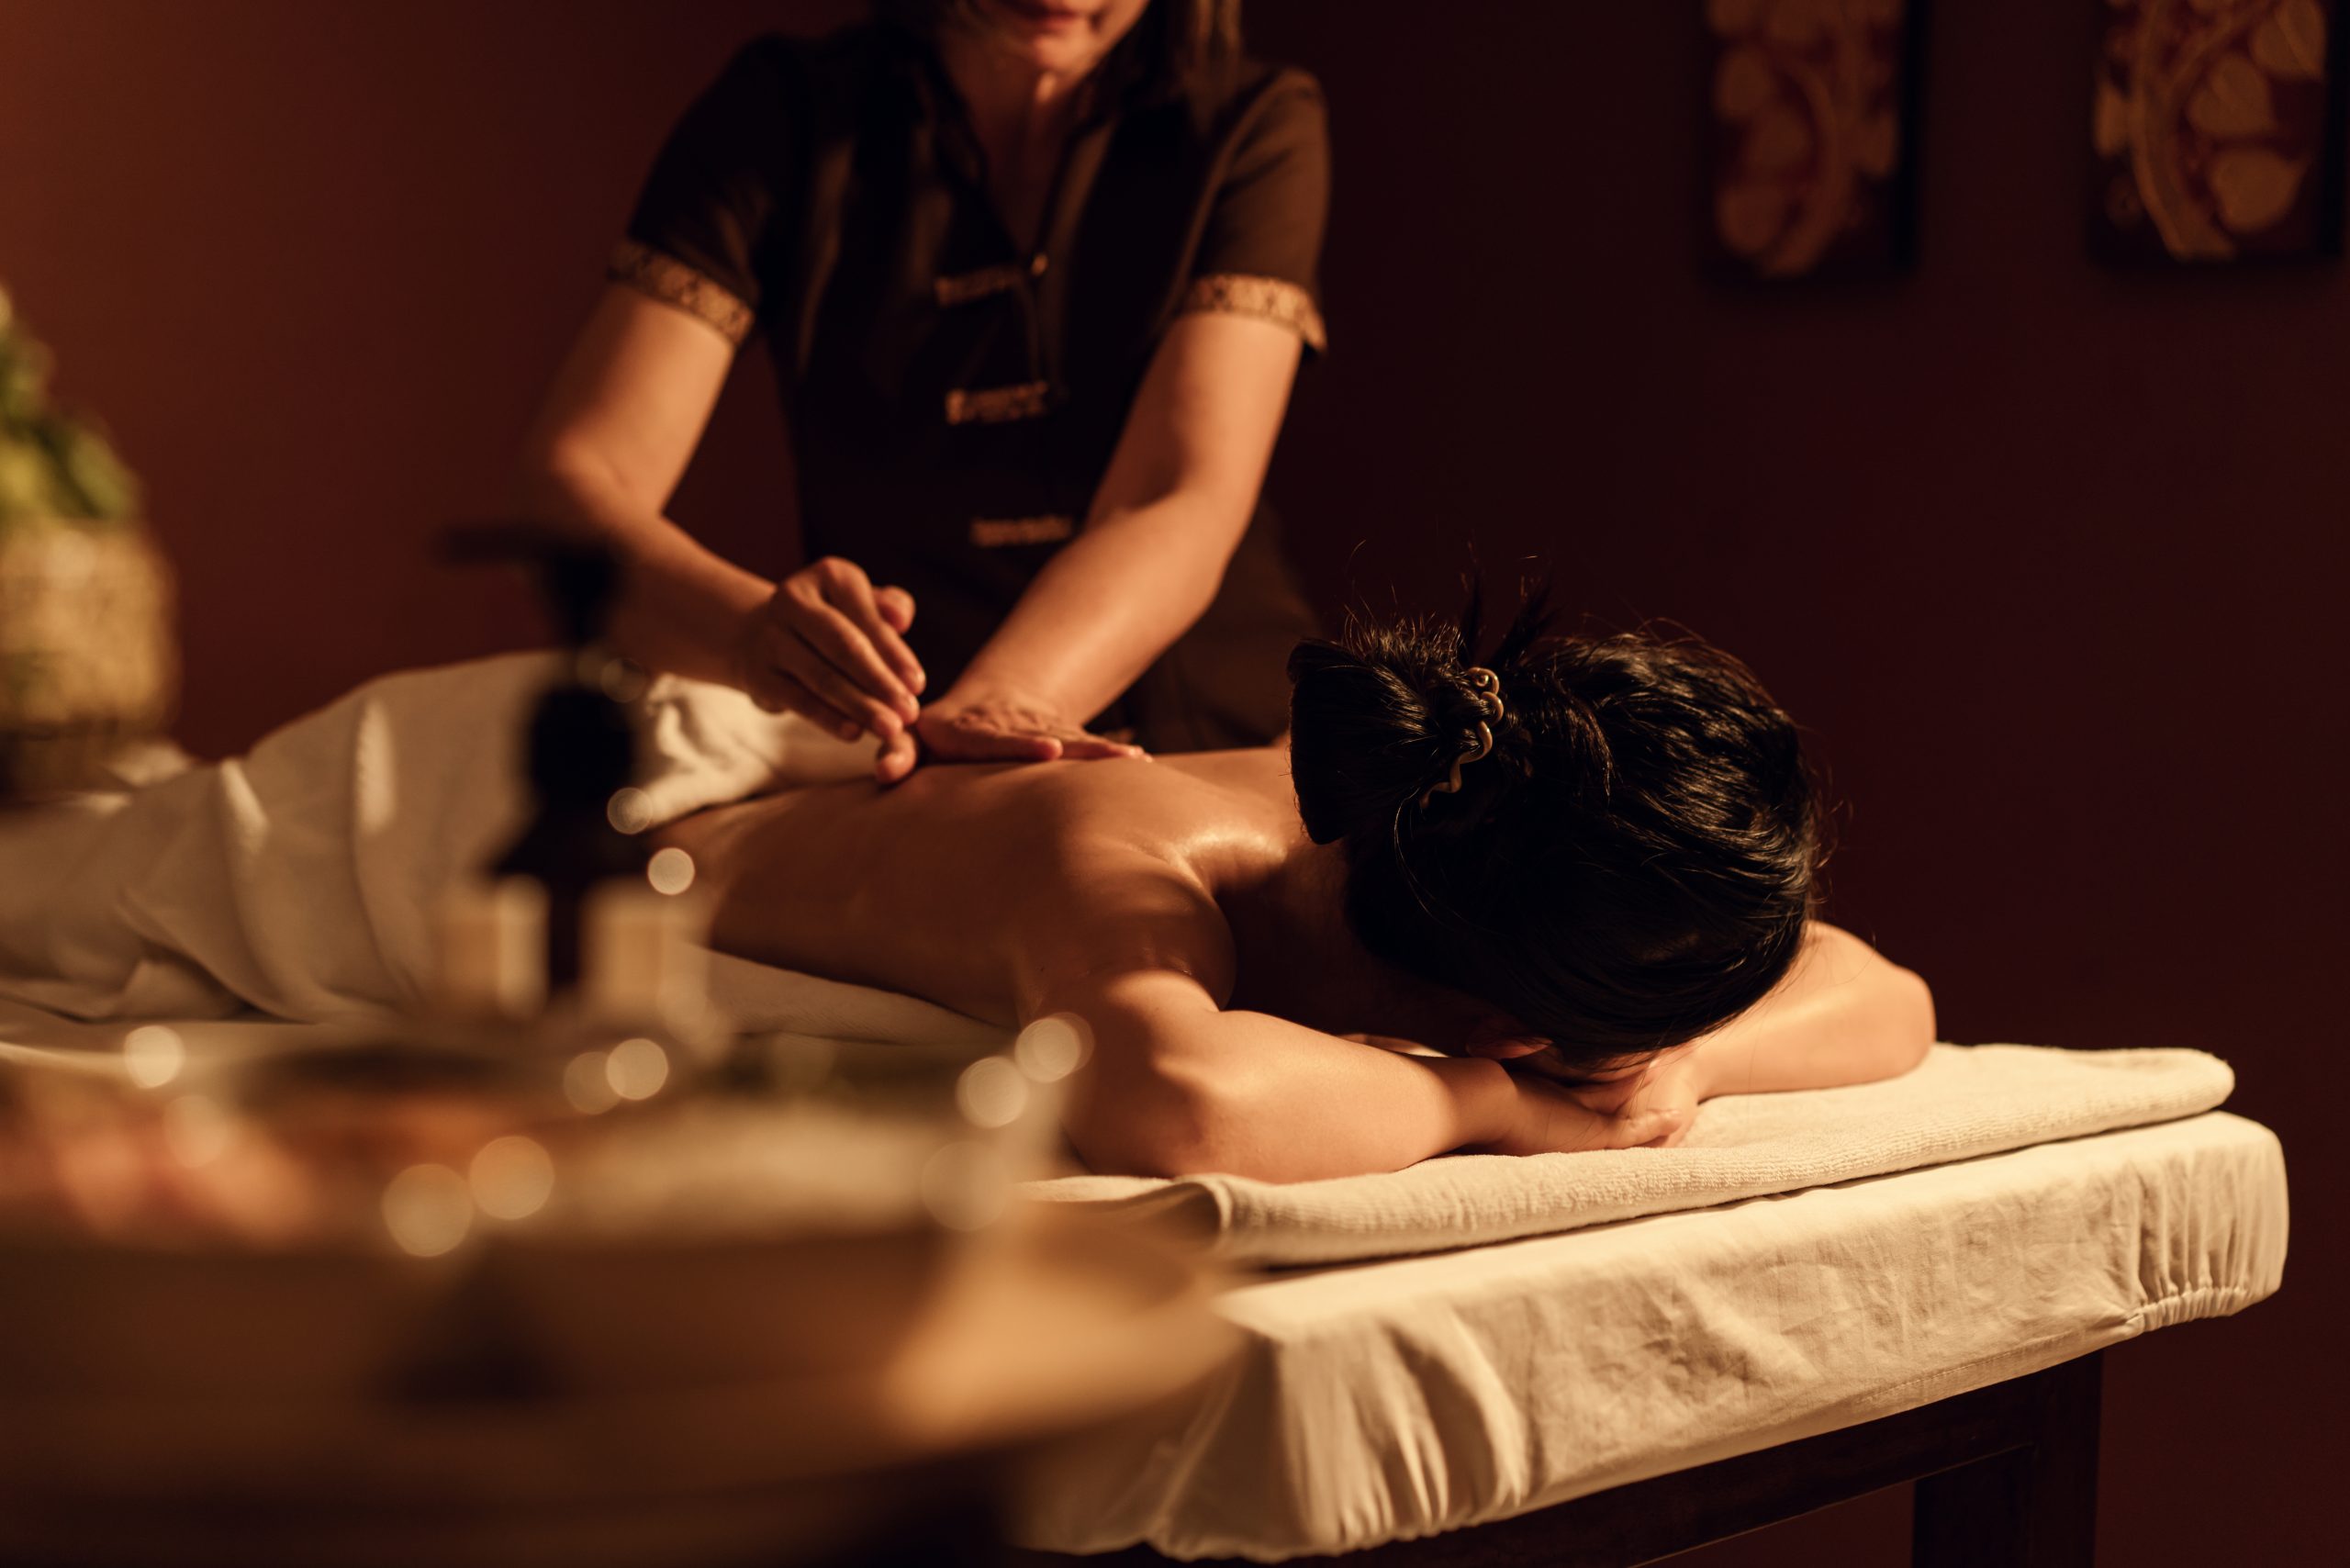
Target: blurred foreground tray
1040, 1331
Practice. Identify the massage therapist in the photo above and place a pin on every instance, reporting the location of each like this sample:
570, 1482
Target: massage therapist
1036, 275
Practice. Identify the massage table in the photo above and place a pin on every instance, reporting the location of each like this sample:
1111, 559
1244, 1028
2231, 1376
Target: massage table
1617, 1394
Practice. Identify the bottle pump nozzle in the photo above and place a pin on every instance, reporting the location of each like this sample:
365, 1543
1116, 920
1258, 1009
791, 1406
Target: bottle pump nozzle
581, 744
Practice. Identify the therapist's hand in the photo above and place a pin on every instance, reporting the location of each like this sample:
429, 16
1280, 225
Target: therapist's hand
991, 725
830, 647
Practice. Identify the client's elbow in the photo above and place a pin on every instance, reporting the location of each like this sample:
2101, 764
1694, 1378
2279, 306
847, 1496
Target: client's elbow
566, 483
1154, 1123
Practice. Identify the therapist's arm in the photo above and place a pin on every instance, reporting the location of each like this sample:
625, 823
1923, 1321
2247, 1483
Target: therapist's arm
620, 423
1172, 507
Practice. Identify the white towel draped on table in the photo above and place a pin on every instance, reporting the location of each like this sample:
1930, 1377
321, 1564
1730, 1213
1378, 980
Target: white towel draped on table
1963, 1102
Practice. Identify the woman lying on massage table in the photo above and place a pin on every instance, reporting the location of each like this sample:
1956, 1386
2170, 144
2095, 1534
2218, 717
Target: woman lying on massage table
1590, 858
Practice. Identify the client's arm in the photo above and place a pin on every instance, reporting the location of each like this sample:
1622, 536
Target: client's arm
1177, 1085
1844, 1014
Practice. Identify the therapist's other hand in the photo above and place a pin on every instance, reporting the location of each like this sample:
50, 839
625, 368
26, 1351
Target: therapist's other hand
994, 726
830, 647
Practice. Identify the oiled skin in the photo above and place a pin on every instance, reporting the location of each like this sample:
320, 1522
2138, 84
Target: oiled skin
986, 890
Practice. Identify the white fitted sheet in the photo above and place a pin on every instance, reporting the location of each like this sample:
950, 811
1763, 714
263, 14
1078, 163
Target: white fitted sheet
1393, 1400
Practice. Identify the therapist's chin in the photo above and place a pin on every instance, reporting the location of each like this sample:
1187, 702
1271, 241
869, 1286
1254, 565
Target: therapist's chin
1058, 38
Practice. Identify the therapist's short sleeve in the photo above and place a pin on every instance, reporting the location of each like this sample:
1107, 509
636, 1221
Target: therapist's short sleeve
704, 227
1260, 253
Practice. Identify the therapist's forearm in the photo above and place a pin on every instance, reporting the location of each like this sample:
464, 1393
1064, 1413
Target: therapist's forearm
681, 605
1103, 609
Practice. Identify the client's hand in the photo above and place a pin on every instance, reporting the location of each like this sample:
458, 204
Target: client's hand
992, 726
830, 647
1670, 1084
1548, 1119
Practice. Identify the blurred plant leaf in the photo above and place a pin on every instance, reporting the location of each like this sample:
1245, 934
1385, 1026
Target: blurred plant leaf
52, 467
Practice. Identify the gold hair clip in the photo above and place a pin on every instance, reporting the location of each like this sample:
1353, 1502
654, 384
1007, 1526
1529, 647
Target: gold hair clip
1491, 706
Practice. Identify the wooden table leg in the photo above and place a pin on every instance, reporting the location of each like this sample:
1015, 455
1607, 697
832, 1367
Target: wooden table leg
2030, 1507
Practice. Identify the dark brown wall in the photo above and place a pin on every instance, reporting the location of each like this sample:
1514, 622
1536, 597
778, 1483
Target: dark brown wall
314, 265
2048, 558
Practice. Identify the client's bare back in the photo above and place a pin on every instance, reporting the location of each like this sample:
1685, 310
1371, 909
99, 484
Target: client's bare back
975, 886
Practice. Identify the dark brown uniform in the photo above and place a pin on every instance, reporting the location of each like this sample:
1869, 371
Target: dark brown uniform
955, 399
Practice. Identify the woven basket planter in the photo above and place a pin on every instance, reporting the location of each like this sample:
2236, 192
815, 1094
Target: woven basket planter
88, 663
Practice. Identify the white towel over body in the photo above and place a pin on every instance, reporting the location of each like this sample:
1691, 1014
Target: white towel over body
300, 878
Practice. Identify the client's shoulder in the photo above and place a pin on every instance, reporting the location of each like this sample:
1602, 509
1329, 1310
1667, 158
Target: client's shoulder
1197, 811
1141, 797
1137, 855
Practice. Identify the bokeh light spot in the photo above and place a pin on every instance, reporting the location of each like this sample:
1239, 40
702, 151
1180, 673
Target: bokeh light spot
671, 871
990, 1092
588, 1084
511, 1177
636, 1070
153, 1054
1051, 1049
622, 681
629, 809
428, 1209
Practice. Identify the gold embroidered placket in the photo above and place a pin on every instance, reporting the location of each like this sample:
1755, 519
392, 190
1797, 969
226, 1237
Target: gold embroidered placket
997, 405
961, 288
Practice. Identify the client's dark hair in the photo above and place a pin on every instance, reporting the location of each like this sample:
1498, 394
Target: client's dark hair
1630, 865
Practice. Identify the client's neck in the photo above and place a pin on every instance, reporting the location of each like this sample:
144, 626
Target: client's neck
1299, 960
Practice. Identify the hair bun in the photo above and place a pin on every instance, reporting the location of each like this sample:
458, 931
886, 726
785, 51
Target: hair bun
1635, 867
1372, 724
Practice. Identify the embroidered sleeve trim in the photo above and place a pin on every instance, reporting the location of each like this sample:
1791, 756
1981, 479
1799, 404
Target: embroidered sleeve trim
1272, 299
961, 288
1001, 533
998, 405
671, 281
